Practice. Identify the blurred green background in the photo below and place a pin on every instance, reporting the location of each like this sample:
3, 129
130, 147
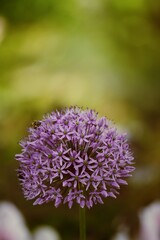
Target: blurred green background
101, 54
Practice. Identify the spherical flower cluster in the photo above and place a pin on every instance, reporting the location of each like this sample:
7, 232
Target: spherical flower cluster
73, 156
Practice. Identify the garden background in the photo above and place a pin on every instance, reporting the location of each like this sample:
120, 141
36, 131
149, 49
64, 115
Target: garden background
101, 54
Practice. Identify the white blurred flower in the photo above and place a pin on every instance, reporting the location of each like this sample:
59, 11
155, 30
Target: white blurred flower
5, 236
12, 225
121, 236
45, 233
150, 222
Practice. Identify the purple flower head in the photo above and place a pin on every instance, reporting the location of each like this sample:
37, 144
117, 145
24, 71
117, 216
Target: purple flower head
73, 156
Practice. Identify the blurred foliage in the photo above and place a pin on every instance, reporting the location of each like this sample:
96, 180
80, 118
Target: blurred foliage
27, 11
101, 54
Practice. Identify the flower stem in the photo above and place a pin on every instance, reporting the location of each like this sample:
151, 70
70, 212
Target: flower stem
82, 223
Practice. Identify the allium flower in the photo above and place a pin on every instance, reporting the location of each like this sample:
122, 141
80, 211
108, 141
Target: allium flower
73, 156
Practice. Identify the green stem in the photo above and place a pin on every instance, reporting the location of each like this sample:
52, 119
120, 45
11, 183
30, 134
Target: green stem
82, 223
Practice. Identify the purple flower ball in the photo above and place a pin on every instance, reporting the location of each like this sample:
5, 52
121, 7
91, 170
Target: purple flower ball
73, 156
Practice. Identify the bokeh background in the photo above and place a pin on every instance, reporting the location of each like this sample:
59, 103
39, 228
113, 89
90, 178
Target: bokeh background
101, 54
